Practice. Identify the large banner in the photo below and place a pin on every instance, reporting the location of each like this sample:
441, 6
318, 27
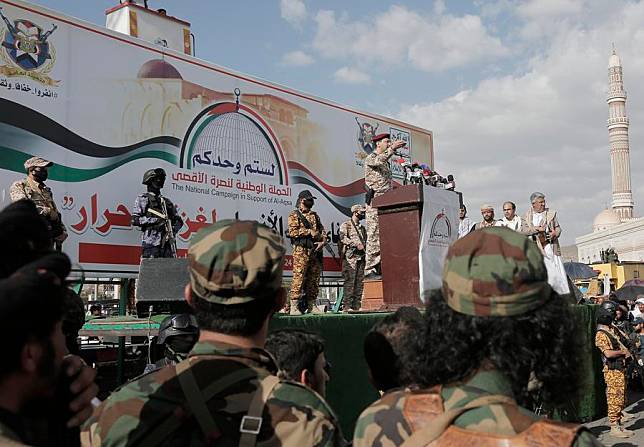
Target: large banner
439, 229
105, 107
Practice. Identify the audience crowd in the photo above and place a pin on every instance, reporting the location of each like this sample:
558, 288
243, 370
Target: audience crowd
495, 338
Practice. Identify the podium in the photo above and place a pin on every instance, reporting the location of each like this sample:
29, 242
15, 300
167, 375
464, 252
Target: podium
399, 213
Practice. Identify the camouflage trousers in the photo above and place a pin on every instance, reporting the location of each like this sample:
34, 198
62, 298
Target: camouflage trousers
353, 274
615, 394
156, 251
372, 250
306, 275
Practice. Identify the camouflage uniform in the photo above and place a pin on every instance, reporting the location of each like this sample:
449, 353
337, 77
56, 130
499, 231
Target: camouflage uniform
41, 196
615, 378
390, 421
8, 436
306, 263
153, 240
377, 176
483, 407
222, 394
352, 262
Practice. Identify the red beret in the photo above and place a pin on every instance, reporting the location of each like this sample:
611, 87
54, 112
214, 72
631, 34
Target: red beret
380, 136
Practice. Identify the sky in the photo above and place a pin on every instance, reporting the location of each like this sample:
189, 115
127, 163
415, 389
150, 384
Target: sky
514, 90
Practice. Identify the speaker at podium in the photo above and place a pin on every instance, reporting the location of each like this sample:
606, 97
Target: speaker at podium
161, 284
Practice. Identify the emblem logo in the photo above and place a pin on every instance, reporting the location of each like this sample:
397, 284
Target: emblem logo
366, 132
441, 230
26, 52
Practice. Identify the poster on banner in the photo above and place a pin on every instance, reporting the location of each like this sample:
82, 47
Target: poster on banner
439, 228
232, 146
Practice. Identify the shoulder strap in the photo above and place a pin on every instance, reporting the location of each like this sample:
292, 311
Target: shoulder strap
303, 220
613, 340
437, 427
196, 400
359, 232
172, 422
252, 422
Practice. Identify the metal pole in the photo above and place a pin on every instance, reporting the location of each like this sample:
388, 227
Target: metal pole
120, 365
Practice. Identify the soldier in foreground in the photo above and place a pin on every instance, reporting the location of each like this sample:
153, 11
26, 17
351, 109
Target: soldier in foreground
353, 237
226, 392
157, 218
495, 323
33, 188
308, 238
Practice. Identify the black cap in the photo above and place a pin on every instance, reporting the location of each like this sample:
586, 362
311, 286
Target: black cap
306, 194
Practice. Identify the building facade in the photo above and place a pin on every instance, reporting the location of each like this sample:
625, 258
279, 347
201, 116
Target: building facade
616, 227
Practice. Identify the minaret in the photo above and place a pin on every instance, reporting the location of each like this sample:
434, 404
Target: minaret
618, 140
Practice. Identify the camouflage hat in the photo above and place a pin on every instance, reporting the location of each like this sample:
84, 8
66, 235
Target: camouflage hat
357, 208
235, 262
495, 272
37, 162
486, 206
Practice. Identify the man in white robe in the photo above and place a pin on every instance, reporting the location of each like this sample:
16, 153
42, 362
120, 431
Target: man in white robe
543, 226
511, 220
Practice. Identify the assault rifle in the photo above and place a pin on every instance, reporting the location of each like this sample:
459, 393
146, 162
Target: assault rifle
167, 223
637, 363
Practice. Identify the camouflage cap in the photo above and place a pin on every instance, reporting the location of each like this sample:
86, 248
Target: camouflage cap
235, 262
357, 208
495, 272
37, 162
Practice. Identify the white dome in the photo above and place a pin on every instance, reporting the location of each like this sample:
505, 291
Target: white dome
606, 219
614, 60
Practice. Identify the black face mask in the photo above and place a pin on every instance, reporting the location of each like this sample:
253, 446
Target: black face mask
360, 216
308, 203
157, 182
40, 175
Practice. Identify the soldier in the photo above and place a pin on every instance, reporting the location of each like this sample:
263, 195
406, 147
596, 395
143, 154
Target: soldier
177, 335
33, 188
610, 341
25, 236
377, 178
495, 323
307, 238
353, 238
226, 392
156, 215
34, 366
299, 355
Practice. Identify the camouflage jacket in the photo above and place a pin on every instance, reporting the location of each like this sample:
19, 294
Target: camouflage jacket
153, 226
383, 423
377, 171
133, 415
350, 240
42, 197
296, 228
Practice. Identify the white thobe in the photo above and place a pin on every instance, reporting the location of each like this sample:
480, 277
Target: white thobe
554, 264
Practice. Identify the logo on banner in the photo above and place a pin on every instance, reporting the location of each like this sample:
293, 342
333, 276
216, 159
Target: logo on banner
441, 230
26, 51
233, 140
366, 132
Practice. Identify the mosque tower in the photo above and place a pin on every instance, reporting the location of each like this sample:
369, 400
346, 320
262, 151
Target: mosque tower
618, 140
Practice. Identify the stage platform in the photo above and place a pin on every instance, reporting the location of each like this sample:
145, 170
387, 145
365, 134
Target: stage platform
349, 390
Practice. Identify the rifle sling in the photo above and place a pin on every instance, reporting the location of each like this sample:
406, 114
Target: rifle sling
364, 244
